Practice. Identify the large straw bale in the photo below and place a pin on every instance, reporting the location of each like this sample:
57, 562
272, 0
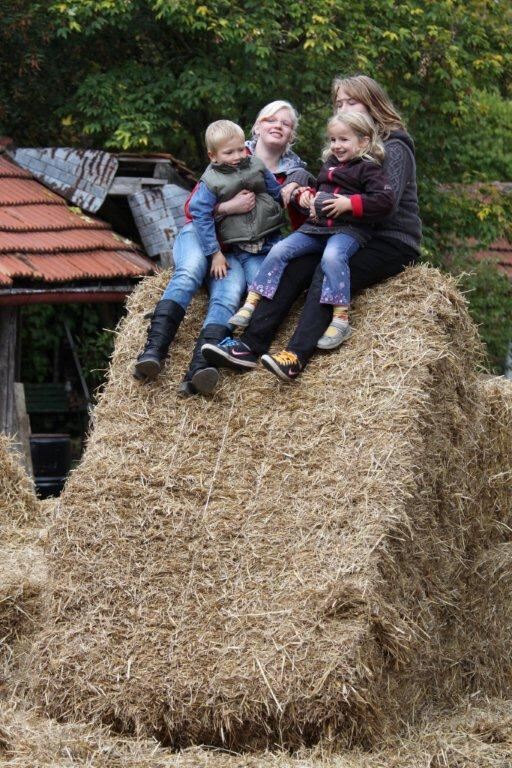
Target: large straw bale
19, 507
23, 573
489, 588
477, 735
275, 565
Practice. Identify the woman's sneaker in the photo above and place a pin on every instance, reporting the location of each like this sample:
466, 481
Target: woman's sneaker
243, 317
230, 353
338, 332
285, 365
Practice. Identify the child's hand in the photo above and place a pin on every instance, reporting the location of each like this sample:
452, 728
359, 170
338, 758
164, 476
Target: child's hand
219, 268
340, 204
304, 197
243, 202
313, 215
287, 191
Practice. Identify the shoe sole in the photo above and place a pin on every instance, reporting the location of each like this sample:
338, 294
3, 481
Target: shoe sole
147, 369
334, 344
205, 380
239, 323
218, 357
185, 389
273, 367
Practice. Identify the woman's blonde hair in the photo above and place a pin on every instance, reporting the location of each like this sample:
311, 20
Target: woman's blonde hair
364, 128
270, 110
367, 91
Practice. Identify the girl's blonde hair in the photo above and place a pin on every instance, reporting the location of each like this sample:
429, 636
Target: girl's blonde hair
367, 91
221, 131
270, 110
364, 128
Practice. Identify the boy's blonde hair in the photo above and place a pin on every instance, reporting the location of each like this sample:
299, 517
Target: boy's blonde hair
364, 128
269, 110
221, 131
368, 92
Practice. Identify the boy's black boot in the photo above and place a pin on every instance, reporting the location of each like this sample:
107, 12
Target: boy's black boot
201, 377
162, 329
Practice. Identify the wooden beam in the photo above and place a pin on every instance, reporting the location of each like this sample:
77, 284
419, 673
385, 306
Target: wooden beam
8, 335
129, 185
23, 426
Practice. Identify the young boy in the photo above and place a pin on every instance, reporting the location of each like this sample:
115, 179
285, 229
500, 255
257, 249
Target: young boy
248, 236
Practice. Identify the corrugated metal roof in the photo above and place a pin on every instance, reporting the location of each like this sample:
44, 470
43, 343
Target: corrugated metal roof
43, 241
26, 191
64, 240
34, 218
10, 171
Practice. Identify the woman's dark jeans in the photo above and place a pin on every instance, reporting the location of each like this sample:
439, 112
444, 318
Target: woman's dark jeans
380, 259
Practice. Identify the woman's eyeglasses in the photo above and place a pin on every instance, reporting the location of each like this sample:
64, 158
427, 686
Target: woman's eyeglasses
275, 121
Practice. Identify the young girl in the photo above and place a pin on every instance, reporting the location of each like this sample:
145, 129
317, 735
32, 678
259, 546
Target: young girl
352, 168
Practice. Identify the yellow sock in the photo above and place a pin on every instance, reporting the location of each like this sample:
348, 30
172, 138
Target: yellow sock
253, 298
340, 312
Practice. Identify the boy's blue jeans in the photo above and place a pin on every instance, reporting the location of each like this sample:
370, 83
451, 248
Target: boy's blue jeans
192, 269
336, 252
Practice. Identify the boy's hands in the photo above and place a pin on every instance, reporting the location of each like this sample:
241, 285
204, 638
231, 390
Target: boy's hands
219, 267
242, 202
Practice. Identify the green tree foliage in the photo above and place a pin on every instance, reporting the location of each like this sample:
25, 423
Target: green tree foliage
151, 74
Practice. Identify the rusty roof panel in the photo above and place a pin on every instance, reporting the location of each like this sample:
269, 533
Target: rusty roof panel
43, 241
25, 191
13, 266
8, 170
37, 218
82, 176
90, 264
57, 242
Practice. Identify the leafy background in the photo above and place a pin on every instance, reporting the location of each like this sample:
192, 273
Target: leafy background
151, 74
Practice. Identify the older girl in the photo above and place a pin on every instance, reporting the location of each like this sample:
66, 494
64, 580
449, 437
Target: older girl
352, 167
395, 243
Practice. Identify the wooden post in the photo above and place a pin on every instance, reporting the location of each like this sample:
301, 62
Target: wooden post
23, 426
8, 337
13, 413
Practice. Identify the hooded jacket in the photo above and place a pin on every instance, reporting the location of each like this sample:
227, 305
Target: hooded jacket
368, 188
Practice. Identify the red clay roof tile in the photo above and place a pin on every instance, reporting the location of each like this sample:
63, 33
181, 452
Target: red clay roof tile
10, 171
42, 240
61, 241
37, 218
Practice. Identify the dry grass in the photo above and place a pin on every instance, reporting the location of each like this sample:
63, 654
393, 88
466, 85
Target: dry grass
23, 572
478, 735
279, 566
19, 508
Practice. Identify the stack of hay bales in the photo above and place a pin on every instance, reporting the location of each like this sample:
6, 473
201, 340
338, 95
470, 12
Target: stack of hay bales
279, 565
478, 734
489, 588
22, 571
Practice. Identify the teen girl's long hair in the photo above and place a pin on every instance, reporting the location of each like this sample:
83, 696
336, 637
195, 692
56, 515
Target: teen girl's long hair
368, 92
364, 128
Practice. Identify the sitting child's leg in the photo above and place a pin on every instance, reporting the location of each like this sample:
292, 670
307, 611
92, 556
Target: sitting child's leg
242, 317
267, 279
190, 269
336, 288
225, 295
